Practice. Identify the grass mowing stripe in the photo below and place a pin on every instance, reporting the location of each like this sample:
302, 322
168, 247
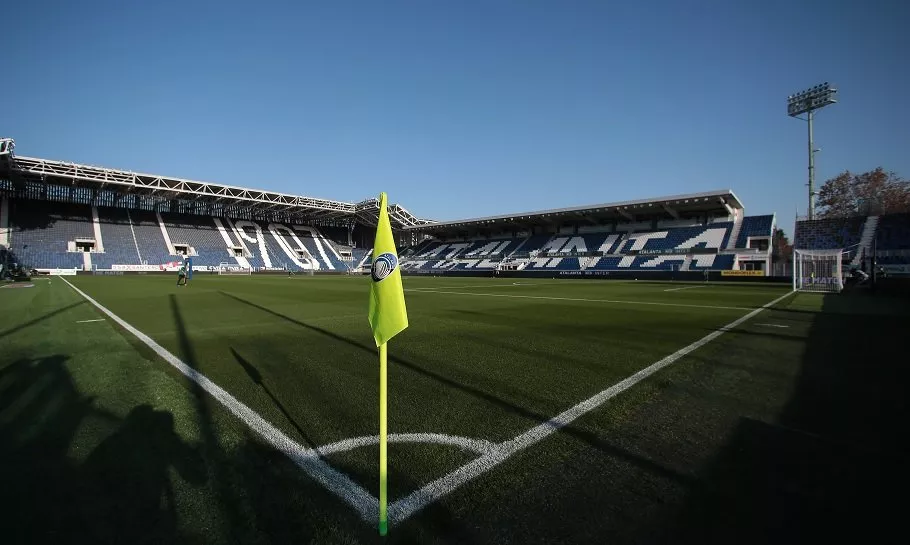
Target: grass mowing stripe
549, 298
308, 459
407, 506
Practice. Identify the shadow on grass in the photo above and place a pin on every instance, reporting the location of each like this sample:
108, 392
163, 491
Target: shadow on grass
115, 495
226, 495
74, 473
827, 469
256, 377
741, 330
39, 319
280, 504
579, 433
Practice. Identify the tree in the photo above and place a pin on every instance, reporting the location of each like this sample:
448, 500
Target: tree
781, 249
871, 193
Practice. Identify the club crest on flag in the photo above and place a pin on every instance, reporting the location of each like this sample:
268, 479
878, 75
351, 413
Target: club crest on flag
383, 266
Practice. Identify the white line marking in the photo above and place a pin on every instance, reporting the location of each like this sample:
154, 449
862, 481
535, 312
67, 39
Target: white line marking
427, 290
480, 446
87, 321
308, 459
417, 500
773, 325
686, 288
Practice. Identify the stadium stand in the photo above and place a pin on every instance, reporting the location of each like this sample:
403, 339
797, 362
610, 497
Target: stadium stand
200, 237
358, 257
829, 233
855, 236
149, 238
892, 240
292, 242
120, 246
893, 232
555, 263
754, 226
691, 247
45, 234
712, 262
64, 215
40, 232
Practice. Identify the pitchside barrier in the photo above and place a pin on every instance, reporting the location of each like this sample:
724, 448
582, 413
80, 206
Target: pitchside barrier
681, 276
197, 271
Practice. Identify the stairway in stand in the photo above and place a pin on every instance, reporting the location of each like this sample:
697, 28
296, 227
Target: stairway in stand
686, 262
865, 240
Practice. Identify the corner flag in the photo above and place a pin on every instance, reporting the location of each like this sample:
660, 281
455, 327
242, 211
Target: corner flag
388, 317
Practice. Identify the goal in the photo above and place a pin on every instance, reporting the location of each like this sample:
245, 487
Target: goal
818, 271
233, 269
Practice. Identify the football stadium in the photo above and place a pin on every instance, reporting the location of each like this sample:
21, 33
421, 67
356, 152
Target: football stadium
629, 372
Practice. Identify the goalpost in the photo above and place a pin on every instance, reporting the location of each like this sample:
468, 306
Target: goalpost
818, 271
233, 269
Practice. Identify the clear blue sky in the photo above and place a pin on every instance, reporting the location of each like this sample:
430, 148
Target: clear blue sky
462, 108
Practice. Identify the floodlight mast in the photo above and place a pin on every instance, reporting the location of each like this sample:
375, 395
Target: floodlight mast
806, 102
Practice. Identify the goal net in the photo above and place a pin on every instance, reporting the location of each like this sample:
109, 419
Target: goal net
818, 270
233, 269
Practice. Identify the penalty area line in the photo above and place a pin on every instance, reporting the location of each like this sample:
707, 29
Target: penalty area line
481, 286
307, 459
686, 288
400, 510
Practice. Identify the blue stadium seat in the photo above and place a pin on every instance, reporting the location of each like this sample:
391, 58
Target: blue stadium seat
754, 226
151, 243
893, 232
200, 233
827, 234
41, 230
117, 238
561, 252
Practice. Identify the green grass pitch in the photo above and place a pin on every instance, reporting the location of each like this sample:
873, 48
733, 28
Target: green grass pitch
765, 432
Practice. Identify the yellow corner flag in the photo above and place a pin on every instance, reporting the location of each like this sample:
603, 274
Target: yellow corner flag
388, 317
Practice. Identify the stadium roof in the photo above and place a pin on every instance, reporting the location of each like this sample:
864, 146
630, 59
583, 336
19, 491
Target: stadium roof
21, 168
722, 201
32, 169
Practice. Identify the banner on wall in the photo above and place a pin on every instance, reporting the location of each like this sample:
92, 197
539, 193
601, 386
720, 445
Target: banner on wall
673, 251
58, 272
742, 273
896, 269
137, 268
171, 266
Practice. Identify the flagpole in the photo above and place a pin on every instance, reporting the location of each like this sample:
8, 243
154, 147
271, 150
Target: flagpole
383, 441
388, 317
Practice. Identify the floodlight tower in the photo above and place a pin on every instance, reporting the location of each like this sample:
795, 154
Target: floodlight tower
806, 102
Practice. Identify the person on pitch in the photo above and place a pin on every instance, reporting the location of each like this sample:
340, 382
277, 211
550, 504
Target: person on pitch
181, 275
